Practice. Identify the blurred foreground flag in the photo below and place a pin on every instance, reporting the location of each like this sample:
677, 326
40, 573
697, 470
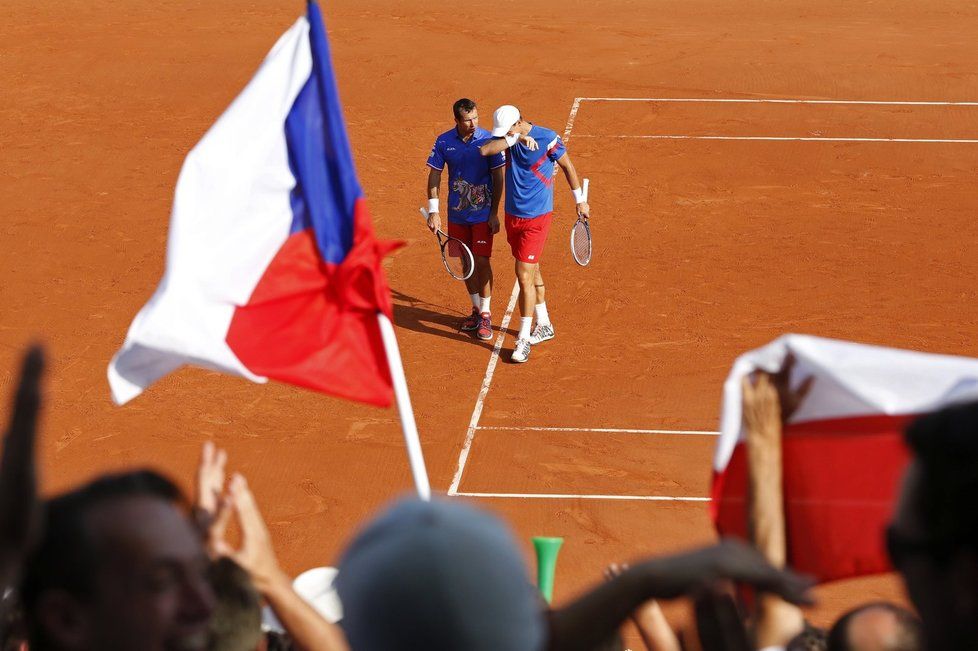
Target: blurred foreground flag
843, 451
272, 268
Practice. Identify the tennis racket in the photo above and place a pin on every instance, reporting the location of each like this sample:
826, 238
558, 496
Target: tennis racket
580, 237
454, 253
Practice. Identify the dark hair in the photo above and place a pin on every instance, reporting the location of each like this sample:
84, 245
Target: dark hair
811, 638
463, 104
67, 557
910, 635
945, 444
236, 622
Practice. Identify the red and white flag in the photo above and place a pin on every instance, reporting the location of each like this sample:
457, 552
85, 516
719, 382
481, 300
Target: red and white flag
843, 451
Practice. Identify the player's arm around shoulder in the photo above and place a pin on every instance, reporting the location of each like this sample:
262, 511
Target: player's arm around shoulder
570, 173
494, 146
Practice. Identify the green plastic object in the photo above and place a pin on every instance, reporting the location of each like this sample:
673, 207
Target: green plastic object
547, 549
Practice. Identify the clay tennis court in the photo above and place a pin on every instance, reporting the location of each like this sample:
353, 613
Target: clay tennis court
718, 226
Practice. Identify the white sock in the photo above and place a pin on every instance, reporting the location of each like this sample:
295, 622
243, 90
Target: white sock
475, 300
542, 317
525, 323
484, 308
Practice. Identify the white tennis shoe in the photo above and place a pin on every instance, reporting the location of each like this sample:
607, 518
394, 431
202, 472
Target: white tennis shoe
522, 351
541, 333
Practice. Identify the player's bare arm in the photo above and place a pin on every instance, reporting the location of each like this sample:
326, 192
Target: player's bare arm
570, 173
497, 145
498, 181
434, 182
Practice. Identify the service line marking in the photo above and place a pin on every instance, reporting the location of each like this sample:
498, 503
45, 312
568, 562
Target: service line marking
564, 496
603, 430
788, 138
772, 100
463, 456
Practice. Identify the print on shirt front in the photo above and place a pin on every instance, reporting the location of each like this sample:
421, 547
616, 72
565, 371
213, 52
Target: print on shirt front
530, 174
470, 182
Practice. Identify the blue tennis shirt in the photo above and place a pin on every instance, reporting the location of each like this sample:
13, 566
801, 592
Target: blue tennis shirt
530, 174
469, 181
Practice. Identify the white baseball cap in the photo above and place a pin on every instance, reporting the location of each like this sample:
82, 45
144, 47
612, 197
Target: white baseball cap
503, 120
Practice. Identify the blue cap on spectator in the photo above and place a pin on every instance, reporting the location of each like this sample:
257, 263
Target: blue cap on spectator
439, 576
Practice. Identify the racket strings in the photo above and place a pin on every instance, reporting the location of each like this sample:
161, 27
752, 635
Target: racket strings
581, 243
457, 259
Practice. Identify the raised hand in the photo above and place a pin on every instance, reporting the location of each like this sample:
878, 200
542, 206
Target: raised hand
19, 505
211, 509
256, 553
790, 399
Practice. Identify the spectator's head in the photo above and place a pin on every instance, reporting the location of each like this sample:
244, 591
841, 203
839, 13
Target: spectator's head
933, 538
437, 576
812, 638
236, 622
876, 627
119, 567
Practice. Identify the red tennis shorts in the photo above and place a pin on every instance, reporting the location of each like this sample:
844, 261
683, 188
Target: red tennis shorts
477, 237
527, 237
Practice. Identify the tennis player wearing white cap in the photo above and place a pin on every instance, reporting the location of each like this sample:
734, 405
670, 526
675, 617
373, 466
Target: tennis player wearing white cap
533, 153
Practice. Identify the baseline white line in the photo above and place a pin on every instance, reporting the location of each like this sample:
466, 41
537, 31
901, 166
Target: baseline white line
463, 456
717, 100
603, 430
564, 496
787, 138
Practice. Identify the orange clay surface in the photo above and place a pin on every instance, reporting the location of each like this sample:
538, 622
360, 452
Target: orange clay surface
704, 249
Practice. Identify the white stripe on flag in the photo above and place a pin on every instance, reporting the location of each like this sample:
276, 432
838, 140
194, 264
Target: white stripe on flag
850, 380
231, 215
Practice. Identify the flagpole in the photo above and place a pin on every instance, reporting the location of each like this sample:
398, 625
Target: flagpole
408, 426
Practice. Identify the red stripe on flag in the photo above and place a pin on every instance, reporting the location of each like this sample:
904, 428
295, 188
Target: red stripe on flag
840, 480
314, 324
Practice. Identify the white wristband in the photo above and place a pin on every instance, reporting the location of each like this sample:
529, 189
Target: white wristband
432, 205
512, 139
579, 195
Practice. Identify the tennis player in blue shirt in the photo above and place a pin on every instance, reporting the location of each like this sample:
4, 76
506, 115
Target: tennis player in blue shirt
474, 188
534, 152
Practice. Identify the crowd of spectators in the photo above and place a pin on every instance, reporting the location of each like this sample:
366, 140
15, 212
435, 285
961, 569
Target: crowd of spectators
127, 562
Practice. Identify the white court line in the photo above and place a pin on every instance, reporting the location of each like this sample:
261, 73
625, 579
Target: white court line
486, 381
494, 357
788, 138
603, 430
564, 496
716, 100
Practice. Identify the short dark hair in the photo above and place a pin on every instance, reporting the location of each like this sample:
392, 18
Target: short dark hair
811, 638
945, 444
463, 104
67, 557
236, 622
910, 632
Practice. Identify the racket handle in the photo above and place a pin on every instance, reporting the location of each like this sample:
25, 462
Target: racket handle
586, 182
424, 213
547, 550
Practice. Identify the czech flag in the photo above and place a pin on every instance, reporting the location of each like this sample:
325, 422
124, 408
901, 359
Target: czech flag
272, 267
843, 450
